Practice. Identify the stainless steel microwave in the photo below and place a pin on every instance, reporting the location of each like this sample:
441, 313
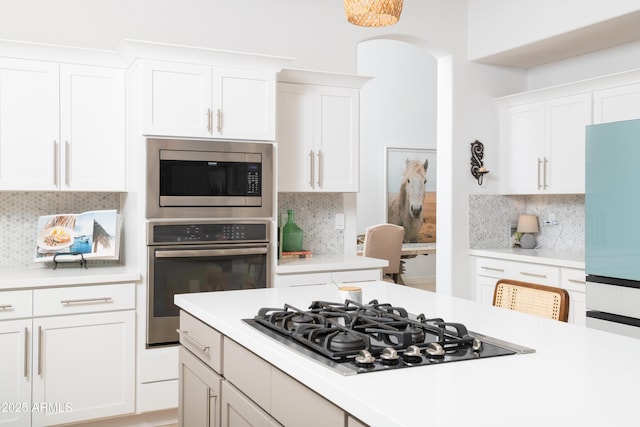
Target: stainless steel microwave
209, 179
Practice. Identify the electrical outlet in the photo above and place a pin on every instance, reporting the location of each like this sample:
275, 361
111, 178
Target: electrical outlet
340, 221
551, 221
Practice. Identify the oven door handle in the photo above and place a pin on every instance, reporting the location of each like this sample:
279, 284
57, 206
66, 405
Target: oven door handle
193, 253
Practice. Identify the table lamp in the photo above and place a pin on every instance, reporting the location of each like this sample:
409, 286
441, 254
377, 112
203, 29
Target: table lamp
528, 224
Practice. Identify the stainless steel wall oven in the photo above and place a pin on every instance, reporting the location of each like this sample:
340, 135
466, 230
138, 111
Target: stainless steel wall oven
201, 256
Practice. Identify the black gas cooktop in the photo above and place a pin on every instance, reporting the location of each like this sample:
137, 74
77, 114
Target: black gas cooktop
355, 338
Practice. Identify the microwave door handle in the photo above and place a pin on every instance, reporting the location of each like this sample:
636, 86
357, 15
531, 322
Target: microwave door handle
209, 252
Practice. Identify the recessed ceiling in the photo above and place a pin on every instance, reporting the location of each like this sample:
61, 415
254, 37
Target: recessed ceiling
606, 34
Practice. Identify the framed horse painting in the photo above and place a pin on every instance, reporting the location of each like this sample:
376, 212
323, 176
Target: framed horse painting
411, 192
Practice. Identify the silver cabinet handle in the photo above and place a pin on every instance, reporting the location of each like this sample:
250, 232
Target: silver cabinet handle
67, 163
525, 273
209, 120
539, 164
56, 163
86, 300
199, 253
544, 173
26, 352
320, 180
311, 171
39, 350
6, 307
492, 268
219, 116
577, 281
185, 335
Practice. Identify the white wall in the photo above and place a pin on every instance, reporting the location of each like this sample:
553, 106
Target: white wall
398, 109
609, 61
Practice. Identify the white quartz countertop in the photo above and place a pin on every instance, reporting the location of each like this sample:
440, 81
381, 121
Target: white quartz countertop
322, 263
560, 258
578, 376
45, 276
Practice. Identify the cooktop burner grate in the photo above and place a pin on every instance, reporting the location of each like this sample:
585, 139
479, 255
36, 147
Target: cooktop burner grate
358, 338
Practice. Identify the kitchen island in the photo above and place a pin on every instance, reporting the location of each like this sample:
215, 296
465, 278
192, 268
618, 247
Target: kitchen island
576, 376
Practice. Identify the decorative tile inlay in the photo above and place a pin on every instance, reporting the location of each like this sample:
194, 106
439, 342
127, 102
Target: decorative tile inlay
315, 214
19, 213
490, 218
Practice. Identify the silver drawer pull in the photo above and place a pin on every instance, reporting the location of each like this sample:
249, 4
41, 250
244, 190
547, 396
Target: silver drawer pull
86, 300
185, 335
582, 282
524, 273
492, 268
6, 307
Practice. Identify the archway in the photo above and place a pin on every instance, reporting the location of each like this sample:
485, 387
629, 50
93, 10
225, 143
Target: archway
406, 105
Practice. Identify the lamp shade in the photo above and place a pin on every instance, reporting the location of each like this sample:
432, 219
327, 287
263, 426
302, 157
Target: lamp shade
373, 13
528, 224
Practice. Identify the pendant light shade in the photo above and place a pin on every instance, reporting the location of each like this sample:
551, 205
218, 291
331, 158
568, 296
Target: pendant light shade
373, 13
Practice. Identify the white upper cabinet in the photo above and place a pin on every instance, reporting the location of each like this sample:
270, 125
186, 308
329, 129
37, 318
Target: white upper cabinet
318, 133
295, 137
244, 104
193, 100
61, 127
542, 145
92, 123
318, 138
29, 129
616, 104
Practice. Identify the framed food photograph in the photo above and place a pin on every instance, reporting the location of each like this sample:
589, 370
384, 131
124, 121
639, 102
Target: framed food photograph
411, 192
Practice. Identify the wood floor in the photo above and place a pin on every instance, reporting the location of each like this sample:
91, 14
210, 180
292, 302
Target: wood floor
424, 283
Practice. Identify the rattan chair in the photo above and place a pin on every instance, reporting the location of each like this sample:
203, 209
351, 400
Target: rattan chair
384, 241
539, 300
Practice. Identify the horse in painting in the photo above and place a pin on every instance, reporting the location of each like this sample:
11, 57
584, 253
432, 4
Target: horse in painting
406, 208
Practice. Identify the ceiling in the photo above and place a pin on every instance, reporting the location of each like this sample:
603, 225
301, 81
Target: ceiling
606, 34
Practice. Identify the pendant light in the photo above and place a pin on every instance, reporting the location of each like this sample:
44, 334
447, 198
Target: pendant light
373, 13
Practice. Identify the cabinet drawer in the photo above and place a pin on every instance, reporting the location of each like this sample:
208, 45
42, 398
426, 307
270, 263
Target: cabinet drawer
15, 304
536, 273
573, 279
247, 372
356, 275
83, 299
493, 268
293, 404
203, 341
302, 279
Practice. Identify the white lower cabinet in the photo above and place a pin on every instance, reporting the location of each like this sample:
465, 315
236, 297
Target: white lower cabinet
488, 271
317, 278
82, 367
15, 373
61, 366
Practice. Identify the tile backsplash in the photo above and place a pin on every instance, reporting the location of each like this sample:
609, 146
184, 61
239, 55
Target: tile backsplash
19, 213
490, 218
315, 214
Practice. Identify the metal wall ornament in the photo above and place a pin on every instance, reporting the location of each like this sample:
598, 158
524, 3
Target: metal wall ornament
477, 167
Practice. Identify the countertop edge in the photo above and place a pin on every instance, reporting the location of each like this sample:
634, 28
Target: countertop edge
324, 263
569, 259
16, 279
